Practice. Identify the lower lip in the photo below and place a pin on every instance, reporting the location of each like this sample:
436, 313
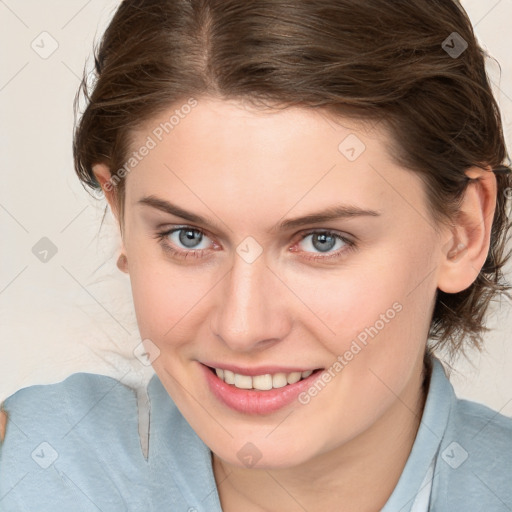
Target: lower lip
249, 401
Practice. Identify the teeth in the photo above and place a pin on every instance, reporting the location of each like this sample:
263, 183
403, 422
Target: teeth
279, 380
294, 377
261, 382
243, 381
229, 377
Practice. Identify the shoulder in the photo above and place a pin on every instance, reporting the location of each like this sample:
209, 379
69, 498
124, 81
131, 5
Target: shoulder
485, 428
485, 431
475, 459
58, 435
54, 406
486, 436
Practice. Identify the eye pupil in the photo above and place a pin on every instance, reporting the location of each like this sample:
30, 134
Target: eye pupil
327, 242
189, 236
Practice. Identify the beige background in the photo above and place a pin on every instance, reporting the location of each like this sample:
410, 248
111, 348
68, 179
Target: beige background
74, 312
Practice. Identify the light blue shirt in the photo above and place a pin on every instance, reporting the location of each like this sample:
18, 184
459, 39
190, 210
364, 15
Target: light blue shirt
75, 447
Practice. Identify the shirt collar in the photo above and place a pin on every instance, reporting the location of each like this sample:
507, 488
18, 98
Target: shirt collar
434, 421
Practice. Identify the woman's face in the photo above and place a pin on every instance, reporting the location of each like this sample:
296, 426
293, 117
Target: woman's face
246, 286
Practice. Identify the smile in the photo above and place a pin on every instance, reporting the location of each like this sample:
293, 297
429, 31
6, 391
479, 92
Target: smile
264, 392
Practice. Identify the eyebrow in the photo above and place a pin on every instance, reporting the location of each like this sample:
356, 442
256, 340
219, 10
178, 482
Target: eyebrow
328, 214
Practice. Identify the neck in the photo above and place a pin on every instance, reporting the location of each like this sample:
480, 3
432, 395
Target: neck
359, 475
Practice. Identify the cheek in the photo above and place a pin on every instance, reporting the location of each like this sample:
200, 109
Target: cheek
389, 320
165, 303
165, 295
383, 295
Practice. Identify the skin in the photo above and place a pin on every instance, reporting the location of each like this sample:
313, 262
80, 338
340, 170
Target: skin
247, 170
3, 424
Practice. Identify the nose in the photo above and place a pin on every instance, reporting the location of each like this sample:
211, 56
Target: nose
253, 307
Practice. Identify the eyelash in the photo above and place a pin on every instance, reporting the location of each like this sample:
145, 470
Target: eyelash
161, 236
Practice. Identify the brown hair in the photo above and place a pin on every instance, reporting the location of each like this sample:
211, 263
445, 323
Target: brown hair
396, 62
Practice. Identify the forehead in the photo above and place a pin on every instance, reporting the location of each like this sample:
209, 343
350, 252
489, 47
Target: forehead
226, 152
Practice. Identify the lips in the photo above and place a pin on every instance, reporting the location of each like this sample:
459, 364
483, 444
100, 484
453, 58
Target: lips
248, 400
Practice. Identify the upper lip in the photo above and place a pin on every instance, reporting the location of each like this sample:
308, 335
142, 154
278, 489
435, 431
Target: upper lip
259, 370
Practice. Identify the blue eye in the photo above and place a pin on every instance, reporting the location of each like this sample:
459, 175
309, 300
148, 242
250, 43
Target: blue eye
324, 241
188, 237
190, 240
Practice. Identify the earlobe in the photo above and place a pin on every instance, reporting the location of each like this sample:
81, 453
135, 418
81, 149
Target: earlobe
122, 263
466, 247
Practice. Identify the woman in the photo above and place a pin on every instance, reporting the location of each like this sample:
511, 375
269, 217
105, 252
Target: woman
307, 193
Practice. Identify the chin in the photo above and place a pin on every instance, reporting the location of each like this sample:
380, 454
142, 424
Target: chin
244, 453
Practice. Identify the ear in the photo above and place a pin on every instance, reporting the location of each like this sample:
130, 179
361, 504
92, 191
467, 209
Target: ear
102, 174
466, 247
